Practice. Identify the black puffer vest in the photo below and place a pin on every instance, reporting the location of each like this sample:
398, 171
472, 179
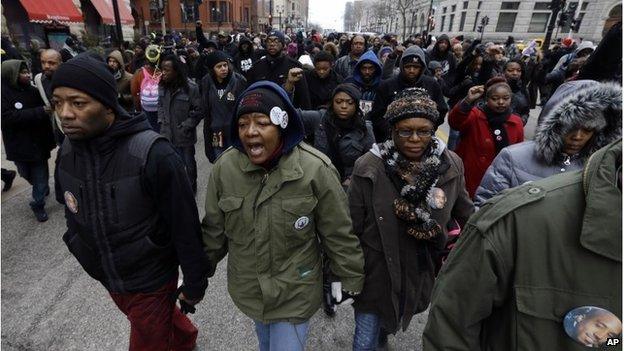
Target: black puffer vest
112, 220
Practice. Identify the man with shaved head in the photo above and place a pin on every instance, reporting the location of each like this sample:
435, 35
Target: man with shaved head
50, 62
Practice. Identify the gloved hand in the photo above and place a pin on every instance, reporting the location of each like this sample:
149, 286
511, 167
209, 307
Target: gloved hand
186, 306
341, 297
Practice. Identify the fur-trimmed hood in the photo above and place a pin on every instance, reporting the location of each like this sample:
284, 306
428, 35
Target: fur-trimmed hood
580, 103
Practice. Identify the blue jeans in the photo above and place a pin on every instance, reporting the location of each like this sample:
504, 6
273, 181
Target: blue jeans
282, 336
367, 326
187, 154
152, 118
37, 174
453, 139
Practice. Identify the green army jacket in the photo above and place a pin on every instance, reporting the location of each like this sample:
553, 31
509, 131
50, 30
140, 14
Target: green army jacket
273, 225
529, 257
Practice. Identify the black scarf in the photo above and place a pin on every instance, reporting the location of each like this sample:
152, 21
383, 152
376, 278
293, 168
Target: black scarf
496, 122
414, 182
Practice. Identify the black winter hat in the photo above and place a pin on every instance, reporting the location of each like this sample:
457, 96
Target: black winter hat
215, 57
90, 76
260, 100
280, 36
350, 89
412, 103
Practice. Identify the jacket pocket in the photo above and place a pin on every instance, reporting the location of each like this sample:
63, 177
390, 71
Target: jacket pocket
233, 222
541, 311
86, 256
298, 220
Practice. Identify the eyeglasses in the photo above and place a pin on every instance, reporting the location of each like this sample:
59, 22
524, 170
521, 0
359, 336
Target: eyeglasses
423, 134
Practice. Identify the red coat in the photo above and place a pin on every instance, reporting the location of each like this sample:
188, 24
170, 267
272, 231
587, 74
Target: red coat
476, 147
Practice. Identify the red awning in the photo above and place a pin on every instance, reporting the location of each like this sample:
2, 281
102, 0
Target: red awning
63, 11
105, 9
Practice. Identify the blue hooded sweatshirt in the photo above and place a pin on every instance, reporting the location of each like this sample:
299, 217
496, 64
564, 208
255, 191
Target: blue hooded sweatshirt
294, 132
368, 90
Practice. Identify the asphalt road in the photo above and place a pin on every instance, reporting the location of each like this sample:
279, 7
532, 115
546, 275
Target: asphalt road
49, 303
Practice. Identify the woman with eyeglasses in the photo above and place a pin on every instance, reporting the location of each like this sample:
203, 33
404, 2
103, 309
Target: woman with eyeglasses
403, 192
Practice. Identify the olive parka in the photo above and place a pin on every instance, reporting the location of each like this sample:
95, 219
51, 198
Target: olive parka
274, 223
529, 257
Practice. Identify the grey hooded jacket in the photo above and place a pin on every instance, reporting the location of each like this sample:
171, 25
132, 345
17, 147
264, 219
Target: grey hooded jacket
589, 104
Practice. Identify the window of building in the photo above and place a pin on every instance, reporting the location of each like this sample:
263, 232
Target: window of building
453, 8
539, 21
474, 27
444, 10
584, 6
580, 20
542, 6
465, 5
154, 12
246, 16
510, 5
506, 21
442, 23
451, 20
214, 14
479, 5
462, 21
225, 14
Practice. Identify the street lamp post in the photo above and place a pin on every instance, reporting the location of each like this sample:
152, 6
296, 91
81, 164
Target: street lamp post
280, 10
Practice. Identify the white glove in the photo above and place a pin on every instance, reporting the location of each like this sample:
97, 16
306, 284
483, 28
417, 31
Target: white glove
336, 291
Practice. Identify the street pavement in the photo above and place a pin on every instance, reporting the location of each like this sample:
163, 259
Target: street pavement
49, 303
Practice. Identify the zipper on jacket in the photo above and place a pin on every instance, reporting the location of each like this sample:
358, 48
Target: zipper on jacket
114, 208
100, 228
262, 183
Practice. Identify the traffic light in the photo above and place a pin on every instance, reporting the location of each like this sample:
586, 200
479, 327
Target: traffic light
480, 29
563, 19
576, 24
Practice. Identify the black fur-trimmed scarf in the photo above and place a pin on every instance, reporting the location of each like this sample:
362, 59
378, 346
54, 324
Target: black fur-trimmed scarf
414, 181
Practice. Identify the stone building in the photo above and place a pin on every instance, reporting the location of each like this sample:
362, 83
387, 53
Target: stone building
524, 20
285, 15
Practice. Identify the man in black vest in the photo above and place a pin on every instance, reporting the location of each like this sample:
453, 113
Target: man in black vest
131, 214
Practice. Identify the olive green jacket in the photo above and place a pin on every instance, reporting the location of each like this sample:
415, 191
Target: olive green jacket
529, 257
273, 225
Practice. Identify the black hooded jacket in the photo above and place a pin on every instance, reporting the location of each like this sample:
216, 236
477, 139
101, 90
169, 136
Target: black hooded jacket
321, 89
390, 87
26, 127
131, 213
446, 59
244, 59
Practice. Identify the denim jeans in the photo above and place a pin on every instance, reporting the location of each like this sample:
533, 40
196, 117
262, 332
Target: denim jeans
187, 154
37, 174
282, 336
453, 139
152, 118
367, 326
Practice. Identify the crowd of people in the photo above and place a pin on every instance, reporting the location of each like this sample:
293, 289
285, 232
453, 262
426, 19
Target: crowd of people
330, 185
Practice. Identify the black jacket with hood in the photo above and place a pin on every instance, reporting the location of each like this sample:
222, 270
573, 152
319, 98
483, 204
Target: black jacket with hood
446, 59
26, 127
131, 213
321, 88
219, 111
244, 59
368, 89
390, 87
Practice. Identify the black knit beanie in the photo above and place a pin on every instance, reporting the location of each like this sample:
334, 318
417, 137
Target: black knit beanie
89, 76
215, 57
412, 103
260, 100
279, 35
350, 89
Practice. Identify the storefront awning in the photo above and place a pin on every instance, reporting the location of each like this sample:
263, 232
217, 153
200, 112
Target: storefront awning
105, 9
63, 11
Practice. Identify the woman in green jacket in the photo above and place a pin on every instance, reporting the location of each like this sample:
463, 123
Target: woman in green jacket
272, 203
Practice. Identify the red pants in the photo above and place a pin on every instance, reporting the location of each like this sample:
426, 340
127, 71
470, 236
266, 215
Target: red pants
156, 323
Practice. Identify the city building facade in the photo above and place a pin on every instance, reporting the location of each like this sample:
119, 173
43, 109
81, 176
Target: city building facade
285, 15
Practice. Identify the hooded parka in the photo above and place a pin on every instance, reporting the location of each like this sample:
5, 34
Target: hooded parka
179, 112
544, 156
123, 79
528, 258
273, 224
395, 261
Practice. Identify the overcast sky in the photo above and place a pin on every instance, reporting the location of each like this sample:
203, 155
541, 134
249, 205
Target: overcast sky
327, 13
